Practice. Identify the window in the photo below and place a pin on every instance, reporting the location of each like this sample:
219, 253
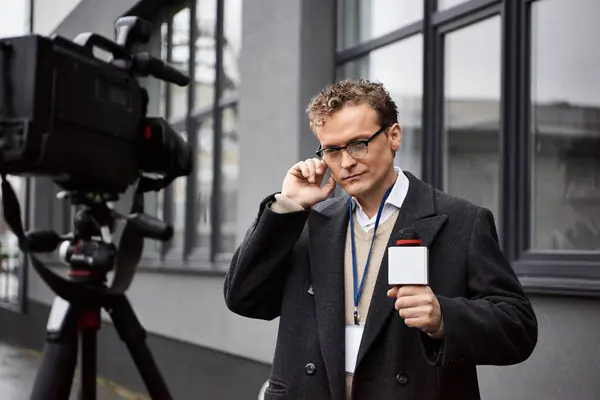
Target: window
177, 101
510, 116
230, 173
178, 190
180, 55
232, 44
159, 44
399, 67
204, 177
154, 205
472, 113
12, 260
229, 135
205, 72
202, 207
363, 20
565, 127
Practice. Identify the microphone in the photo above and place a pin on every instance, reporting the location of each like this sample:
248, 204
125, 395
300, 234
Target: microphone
408, 260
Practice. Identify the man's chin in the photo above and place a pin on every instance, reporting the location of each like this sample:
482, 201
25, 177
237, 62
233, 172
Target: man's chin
354, 189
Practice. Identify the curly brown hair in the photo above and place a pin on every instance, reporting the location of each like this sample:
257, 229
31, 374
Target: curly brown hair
352, 92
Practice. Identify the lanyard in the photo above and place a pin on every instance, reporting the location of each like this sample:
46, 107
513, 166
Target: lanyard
358, 290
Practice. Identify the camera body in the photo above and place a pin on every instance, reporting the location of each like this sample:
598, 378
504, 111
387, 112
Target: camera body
74, 117
80, 120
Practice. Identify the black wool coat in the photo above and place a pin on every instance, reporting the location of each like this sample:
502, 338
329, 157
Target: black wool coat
291, 266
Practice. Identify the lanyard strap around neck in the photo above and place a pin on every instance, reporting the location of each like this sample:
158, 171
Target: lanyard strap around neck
358, 289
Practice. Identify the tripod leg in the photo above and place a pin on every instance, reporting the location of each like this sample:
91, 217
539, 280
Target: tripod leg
55, 374
89, 323
133, 334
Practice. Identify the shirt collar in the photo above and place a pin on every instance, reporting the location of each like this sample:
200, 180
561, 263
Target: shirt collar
398, 193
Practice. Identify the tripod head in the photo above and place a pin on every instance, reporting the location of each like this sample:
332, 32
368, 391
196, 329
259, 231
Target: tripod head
89, 250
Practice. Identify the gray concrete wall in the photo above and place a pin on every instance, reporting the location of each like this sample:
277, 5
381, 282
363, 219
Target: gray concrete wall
48, 14
96, 16
190, 309
287, 55
565, 363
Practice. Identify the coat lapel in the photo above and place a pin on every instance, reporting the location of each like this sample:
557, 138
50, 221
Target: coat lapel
417, 212
327, 237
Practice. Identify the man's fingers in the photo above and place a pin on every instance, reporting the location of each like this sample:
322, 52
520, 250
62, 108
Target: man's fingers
310, 164
303, 170
410, 301
405, 290
310, 169
415, 312
320, 166
412, 290
418, 322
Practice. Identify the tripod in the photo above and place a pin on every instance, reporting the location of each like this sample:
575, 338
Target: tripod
73, 325
75, 315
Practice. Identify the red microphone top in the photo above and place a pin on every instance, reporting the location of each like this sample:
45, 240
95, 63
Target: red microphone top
404, 242
408, 237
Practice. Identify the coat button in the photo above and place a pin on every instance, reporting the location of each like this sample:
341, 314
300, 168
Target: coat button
310, 369
402, 379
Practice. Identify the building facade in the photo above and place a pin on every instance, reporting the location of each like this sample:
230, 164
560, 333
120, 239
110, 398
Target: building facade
500, 104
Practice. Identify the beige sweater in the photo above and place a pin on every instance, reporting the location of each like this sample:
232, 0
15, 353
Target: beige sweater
362, 242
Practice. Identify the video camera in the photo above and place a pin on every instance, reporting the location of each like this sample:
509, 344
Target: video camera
67, 114
81, 121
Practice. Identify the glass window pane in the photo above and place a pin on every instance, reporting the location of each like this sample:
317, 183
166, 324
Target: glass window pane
565, 124
204, 161
179, 186
162, 108
472, 113
180, 58
361, 20
400, 68
206, 14
232, 47
229, 174
153, 205
11, 257
443, 4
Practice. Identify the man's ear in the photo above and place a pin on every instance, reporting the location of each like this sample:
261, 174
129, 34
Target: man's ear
395, 135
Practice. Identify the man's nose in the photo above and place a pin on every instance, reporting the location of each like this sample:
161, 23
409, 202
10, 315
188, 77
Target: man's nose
346, 160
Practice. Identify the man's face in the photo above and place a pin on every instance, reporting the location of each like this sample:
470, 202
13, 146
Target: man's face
359, 176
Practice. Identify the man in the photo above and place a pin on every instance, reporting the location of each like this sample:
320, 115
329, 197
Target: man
305, 256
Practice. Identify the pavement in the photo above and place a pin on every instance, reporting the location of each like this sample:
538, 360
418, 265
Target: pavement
18, 369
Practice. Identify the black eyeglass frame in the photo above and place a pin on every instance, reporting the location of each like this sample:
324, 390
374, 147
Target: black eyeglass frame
320, 151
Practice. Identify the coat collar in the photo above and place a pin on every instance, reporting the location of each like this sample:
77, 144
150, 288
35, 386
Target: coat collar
328, 224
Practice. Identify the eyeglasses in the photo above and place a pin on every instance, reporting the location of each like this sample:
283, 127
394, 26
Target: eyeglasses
356, 149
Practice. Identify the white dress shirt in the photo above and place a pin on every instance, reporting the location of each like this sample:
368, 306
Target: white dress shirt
393, 202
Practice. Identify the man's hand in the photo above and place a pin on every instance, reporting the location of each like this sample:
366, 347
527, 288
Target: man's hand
419, 308
302, 183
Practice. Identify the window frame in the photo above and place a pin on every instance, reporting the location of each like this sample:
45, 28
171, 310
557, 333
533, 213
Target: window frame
548, 272
20, 303
186, 257
561, 271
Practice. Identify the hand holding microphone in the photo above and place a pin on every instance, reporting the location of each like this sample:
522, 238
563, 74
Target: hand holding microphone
408, 273
419, 308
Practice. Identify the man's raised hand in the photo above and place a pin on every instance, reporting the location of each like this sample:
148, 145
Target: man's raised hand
302, 183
